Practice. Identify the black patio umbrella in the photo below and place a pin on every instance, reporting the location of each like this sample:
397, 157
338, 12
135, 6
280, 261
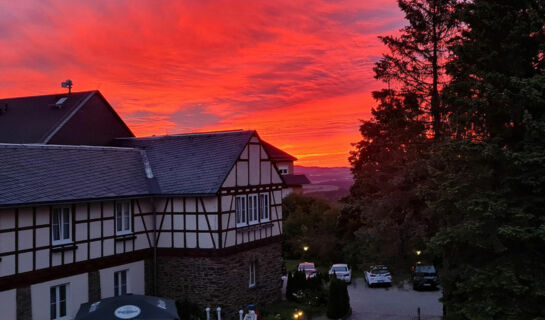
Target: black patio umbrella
129, 306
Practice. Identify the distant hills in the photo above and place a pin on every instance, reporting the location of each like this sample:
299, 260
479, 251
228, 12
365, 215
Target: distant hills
331, 183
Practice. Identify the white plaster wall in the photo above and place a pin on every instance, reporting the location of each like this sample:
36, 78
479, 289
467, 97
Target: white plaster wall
244, 154
43, 236
210, 204
7, 219
25, 262
8, 304
25, 217
81, 212
255, 164
77, 293
264, 153
190, 205
135, 279
229, 238
165, 239
7, 241
178, 204
275, 177
242, 173
7, 266
42, 259
230, 180
265, 172
42, 215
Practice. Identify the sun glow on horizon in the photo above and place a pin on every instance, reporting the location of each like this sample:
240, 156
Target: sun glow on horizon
298, 73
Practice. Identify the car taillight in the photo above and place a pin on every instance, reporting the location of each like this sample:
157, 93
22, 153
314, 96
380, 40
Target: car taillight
372, 275
388, 275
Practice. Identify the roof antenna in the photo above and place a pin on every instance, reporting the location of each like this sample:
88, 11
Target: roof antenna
67, 84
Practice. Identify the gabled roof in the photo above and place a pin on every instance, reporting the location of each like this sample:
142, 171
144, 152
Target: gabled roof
52, 173
276, 154
191, 164
36, 119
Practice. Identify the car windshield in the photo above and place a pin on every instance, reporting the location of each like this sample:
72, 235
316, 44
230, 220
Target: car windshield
425, 269
306, 266
339, 269
379, 271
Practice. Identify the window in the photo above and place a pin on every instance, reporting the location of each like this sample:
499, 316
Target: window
58, 302
122, 217
264, 207
252, 275
120, 283
62, 226
240, 209
283, 170
253, 216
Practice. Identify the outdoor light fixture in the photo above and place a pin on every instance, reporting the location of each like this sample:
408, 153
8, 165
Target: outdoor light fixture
305, 248
418, 252
298, 315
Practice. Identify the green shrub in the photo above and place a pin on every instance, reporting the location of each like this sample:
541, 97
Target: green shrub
338, 302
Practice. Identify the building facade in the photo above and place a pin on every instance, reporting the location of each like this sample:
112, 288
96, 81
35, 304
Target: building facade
192, 216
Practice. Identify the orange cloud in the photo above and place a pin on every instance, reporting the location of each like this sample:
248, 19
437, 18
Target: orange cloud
298, 72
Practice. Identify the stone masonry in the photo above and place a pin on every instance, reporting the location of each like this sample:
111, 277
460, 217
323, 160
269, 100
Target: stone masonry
223, 281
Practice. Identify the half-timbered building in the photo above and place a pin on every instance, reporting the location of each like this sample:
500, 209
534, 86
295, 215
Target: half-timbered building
190, 216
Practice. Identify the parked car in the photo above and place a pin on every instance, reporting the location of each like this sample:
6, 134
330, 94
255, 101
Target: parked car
341, 271
378, 275
424, 276
308, 268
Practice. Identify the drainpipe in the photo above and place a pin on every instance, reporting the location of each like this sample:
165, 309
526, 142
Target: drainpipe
154, 190
154, 248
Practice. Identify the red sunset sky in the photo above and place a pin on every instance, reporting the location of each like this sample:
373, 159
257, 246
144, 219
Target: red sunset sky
300, 72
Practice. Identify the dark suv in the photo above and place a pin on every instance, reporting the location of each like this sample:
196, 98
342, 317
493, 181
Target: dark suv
424, 277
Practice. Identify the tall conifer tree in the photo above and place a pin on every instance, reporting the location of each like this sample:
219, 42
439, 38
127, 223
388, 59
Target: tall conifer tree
490, 177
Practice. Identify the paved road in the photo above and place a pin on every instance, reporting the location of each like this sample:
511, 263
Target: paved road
392, 303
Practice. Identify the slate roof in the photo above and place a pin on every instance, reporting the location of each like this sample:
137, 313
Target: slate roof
50, 173
191, 164
276, 154
295, 179
33, 119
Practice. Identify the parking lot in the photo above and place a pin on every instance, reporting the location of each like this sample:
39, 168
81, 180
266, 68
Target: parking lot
392, 303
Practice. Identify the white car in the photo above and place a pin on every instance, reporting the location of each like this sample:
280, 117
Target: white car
308, 268
341, 271
378, 275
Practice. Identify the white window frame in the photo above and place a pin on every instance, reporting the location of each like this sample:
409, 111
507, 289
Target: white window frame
124, 217
253, 208
58, 218
118, 282
264, 208
57, 301
252, 275
241, 210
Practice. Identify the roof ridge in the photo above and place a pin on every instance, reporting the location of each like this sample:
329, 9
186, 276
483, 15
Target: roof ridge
187, 134
63, 147
47, 95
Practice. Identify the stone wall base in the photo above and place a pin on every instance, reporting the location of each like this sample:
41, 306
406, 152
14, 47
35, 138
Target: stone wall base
222, 281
